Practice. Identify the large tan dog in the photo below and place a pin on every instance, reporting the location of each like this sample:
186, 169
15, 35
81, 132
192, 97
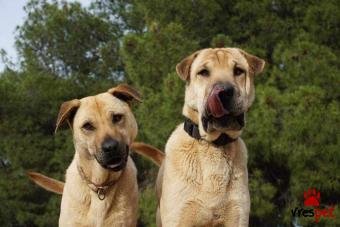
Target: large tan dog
101, 186
203, 180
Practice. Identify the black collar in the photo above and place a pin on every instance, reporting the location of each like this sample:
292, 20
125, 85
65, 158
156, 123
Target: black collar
192, 129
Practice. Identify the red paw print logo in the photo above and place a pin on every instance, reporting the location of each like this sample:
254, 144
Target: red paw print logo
312, 197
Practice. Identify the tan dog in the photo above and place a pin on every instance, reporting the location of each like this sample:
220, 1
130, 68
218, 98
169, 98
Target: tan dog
203, 180
101, 186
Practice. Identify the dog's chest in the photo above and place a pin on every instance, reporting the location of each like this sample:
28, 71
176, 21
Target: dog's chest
208, 170
210, 173
109, 212
216, 171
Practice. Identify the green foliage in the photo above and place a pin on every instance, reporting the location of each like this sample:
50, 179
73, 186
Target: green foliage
221, 40
67, 40
264, 192
149, 65
148, 206
322, 21
68, 51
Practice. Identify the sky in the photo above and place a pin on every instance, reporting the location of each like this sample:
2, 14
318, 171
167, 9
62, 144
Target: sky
11, 15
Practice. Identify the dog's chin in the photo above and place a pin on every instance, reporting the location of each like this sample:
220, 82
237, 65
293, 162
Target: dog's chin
227, 122
114, 166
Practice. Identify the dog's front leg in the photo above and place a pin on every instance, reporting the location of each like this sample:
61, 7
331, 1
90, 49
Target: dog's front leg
188, 213
238, 205
236, 214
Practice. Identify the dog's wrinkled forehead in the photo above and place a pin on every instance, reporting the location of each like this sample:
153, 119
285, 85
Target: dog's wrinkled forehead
219, 57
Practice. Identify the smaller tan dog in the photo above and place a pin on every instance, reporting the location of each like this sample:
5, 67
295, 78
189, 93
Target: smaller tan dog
101, 185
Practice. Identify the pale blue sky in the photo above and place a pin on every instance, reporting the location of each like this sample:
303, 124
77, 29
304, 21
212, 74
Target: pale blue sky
12, 15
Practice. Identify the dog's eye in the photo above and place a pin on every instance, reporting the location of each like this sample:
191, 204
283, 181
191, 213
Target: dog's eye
117, 118
88, 126
238, 71
204, 72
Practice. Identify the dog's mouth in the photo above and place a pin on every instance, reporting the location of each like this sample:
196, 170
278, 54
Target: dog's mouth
222, 112
113, 161
223, 123
116, 164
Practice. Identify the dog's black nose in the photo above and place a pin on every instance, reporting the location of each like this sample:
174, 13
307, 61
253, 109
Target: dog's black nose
220, 99
227, 91
110, 145
226, 95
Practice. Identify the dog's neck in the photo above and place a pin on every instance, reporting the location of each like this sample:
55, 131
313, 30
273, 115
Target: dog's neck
194, 116
191, 113
94, 172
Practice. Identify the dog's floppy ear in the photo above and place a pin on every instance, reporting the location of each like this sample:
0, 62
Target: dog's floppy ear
183, 68
126, 93
256, 64
67, 111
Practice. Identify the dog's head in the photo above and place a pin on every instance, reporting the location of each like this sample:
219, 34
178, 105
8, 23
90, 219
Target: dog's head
103, 125
220, 88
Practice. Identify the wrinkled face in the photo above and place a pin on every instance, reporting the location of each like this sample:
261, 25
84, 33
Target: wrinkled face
103, 128
220, 87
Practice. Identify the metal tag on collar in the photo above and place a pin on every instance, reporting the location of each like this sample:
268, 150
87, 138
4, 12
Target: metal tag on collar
101, 193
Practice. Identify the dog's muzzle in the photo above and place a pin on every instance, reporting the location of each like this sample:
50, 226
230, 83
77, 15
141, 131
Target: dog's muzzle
220, 109
220, 100
113, 155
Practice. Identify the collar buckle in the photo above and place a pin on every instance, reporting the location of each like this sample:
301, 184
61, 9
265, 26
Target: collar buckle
101, 193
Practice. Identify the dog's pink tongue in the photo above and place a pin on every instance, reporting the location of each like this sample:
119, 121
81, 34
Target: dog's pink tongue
214, 104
